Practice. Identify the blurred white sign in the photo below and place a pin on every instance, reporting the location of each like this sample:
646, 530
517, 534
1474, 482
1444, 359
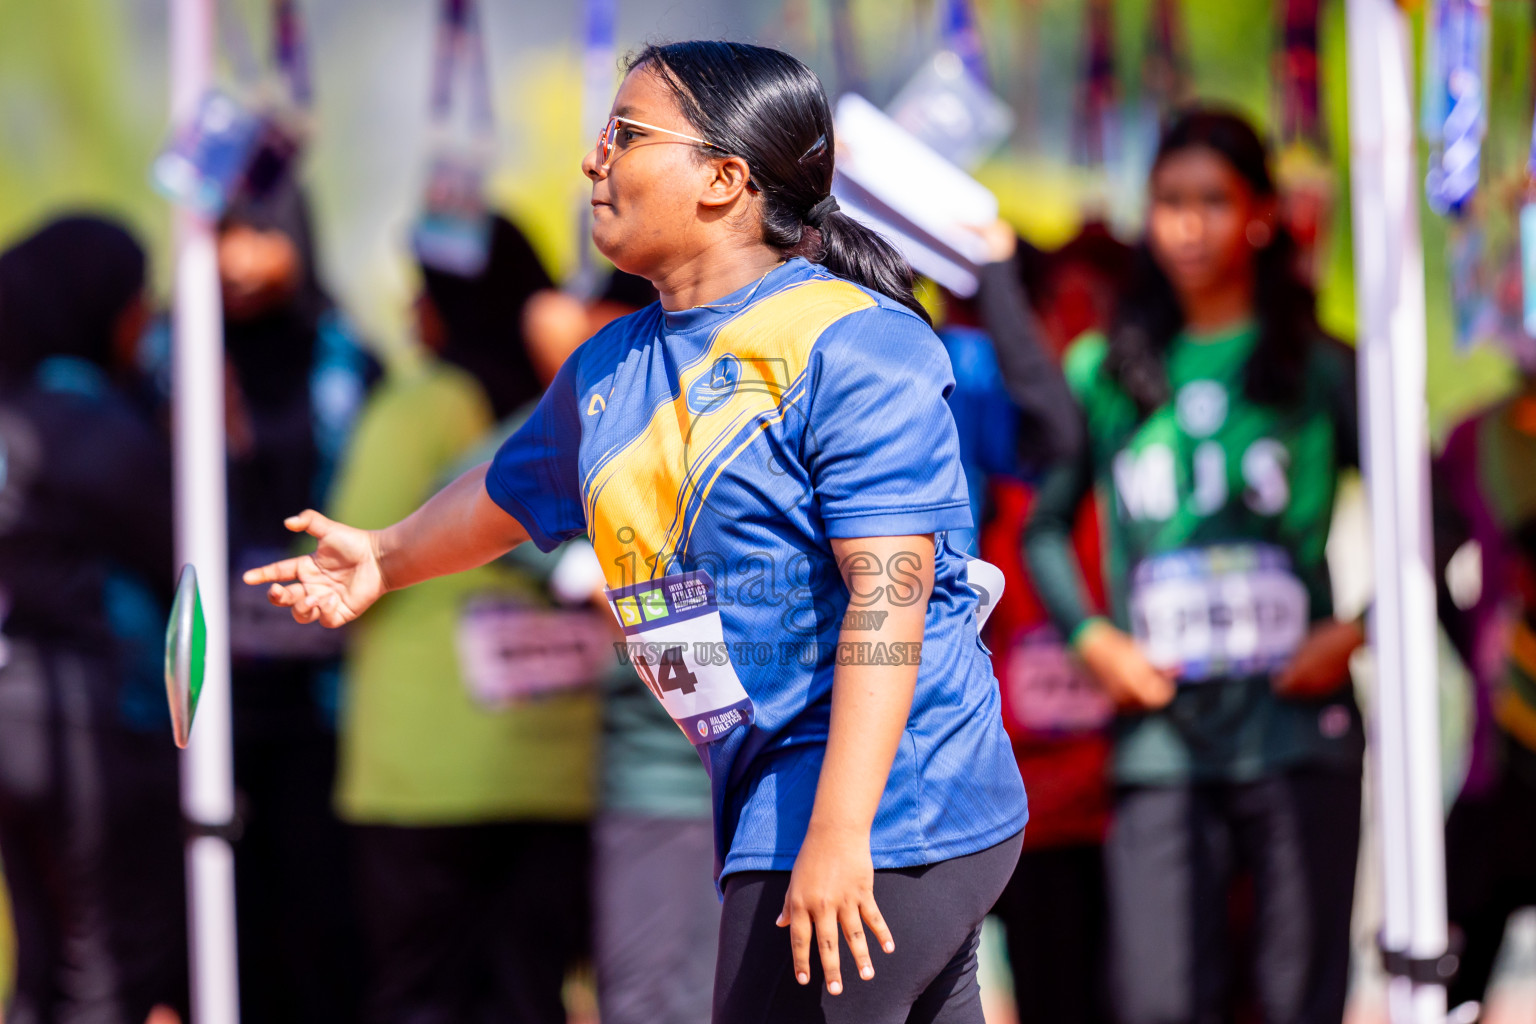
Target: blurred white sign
892, 182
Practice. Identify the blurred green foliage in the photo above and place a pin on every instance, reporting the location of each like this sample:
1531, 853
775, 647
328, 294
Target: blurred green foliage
80, 117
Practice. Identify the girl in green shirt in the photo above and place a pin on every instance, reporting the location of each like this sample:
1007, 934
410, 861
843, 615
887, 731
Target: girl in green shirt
1217, 420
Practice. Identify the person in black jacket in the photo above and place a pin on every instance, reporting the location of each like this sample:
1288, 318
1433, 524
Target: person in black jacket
89, 827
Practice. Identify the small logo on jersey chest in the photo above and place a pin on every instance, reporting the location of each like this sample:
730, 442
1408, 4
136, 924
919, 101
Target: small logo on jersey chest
716, 386
1201, 407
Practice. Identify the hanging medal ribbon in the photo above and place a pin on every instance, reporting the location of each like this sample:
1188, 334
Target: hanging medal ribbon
1165, 74
1456, 104
1455, 123
1095, 142
290, 51
286, 124
1300, 119
961, 37
247, 140
599, 63
845, 50
453, 233
599, 60
947, 104
460, 44
1304, 175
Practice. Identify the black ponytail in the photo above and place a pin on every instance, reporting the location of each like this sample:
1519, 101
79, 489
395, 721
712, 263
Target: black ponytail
769, 109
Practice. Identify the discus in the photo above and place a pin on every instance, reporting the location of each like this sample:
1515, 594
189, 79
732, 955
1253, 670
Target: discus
186, 655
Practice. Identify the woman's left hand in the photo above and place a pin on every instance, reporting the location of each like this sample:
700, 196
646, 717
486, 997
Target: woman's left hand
833, 886
999, 237
1321, 665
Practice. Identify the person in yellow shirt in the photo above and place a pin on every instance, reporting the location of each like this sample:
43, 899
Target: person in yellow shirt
469, 779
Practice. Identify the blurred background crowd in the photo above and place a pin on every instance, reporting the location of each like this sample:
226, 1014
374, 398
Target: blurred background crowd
464, 808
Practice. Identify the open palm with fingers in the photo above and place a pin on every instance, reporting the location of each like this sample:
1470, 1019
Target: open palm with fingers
334, 585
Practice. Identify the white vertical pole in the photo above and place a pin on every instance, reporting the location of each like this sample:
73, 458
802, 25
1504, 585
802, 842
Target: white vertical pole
207, 782
1389, 273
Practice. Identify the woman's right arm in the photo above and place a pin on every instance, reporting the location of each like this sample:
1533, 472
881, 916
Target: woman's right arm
1113, 657
1048, 550
458, 529
1050, 425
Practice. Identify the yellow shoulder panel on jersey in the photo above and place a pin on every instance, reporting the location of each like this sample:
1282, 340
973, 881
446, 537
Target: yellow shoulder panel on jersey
639, 496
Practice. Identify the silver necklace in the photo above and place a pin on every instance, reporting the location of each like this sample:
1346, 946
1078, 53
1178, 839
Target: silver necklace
747, 298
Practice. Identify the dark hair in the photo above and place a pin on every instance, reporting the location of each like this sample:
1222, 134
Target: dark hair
483, 316
769, 109
1149, 315
62, 290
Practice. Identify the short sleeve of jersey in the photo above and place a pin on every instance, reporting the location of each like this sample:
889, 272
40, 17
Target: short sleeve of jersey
534, 475
882, 448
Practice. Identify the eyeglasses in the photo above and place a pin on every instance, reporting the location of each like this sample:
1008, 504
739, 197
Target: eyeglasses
607, 141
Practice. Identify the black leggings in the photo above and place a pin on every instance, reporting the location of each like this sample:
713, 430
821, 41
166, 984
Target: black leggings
1490, 866
90, 833
467, 924
934, 913
1053, 916
1171, 856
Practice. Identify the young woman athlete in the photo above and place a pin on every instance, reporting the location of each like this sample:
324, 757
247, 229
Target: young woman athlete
1218, 420
767, 470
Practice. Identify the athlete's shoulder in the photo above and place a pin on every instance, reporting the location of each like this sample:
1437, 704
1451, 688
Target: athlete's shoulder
865, 316
598, 355
793, 324
882, 337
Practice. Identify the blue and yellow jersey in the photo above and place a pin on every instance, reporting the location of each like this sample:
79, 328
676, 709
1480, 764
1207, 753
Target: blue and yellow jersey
738, 439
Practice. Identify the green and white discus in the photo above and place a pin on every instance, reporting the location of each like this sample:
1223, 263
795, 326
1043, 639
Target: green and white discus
186, 655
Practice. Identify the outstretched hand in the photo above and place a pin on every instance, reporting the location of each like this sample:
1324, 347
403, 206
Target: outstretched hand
334, 585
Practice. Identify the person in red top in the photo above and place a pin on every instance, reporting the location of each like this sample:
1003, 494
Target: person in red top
1054, 711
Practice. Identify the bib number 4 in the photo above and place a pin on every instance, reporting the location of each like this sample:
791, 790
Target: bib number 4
671, 673
674, 640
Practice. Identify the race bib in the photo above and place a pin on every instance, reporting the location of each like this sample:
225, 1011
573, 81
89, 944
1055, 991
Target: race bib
986, 580
1049, 691
673, 638
1216, 612
511, 652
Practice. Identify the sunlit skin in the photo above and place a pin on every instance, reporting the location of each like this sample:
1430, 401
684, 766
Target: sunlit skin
684, 217
671, 211
258, 270
1204, 225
